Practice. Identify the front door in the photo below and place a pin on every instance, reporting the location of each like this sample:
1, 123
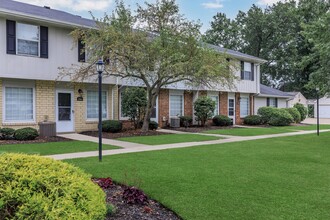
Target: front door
64, 111
231, 109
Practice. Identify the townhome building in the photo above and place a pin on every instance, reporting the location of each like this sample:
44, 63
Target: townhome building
35, 42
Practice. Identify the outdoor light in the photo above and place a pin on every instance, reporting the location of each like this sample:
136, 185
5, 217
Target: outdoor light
100, 68
317, 110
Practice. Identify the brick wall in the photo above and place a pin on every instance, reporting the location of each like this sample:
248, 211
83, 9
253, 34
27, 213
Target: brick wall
163, 107
45, 100
223, 103
238, 119
188, 103
1, 102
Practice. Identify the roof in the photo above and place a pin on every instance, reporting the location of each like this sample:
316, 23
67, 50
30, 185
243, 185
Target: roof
271, 92
293, 93
13, 7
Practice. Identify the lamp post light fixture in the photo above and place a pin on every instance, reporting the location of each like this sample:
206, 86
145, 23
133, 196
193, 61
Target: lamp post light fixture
100, 69
317, 111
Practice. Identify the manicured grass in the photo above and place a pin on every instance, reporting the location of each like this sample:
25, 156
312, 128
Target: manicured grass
278, 178
168, 139
53, 147
265, 130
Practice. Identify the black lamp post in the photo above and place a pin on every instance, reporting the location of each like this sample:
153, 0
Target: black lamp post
100, 69
317, 111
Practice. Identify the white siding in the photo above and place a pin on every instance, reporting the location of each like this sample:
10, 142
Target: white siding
262, 101
299, 98
62, 53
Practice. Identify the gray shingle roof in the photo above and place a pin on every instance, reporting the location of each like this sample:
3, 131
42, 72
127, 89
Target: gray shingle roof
61, 16
268, 91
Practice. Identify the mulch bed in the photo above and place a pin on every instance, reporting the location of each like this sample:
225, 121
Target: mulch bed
150, 210
197, 129
37, 140
125, 133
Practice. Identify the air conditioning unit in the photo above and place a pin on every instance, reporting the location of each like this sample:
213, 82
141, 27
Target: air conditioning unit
175, 122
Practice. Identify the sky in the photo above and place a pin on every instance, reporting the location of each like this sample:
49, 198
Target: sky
202, 10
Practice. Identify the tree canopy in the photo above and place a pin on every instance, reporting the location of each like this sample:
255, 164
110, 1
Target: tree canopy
156, 46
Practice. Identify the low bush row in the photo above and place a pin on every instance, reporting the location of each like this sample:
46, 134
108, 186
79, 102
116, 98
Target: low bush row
114, 126
22, 134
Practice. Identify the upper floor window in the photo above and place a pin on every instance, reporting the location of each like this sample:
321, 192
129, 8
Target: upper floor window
247, 71
27, 39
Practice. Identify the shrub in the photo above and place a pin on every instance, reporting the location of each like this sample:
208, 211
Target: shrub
185, 121
302, 110
280, 117
153, 125
221, 120
311, 111
133, 195
295, 114
253, 120
266, 113
104, 183
7, 133
35, 187
204, 108
133, 104
25, 134
112, 126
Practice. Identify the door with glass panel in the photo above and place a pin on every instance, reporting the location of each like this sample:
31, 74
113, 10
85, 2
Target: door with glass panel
64, 111
231, 108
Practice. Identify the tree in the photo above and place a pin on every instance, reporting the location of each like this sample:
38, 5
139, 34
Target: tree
156, 47
204, 109
133, 104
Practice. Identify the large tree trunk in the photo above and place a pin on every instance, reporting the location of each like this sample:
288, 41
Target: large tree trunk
152, 96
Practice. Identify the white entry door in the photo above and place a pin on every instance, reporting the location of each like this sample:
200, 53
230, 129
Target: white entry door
64, 111
231, 106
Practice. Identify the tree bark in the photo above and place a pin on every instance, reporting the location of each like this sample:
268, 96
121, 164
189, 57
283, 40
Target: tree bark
152, 96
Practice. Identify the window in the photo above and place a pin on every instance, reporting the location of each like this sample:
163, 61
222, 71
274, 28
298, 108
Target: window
216, 100
244, 106
247, 71
93, 104
272, 102
19, 104
231, 107
27, 39
176, 105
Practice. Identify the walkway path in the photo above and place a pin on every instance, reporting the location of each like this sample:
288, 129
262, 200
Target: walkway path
134, 148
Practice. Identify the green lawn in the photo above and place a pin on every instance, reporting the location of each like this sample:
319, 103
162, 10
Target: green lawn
264, 131
278, 178
53, 147
168, 139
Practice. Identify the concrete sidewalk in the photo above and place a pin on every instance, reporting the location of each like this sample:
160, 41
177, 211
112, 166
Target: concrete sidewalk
134, 148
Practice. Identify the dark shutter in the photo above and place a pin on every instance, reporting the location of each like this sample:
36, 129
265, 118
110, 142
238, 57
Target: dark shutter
242, 69
11, 37
276, 102
81, 51
43, 42
252, 71
268, 101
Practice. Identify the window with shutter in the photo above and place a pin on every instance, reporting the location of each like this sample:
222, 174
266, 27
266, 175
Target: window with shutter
81, 51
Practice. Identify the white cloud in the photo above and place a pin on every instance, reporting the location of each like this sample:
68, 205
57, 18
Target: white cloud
268, 2
74, 5
213, 5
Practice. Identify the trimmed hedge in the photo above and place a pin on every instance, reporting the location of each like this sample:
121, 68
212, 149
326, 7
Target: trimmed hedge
266, 113
153, 125
185, 121
112, 126
253, 120
35, 187
280, 117
295, 114
25, 134
221, 120
302, 110
7, 133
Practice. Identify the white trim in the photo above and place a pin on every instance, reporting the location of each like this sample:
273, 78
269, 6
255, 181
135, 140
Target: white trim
16, 40
178, 93
214, 93
106, 104
232, 96
112, 105
71, 91
119, 104
18, 84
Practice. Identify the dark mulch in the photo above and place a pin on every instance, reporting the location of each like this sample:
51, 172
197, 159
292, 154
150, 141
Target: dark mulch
125, 133
37, 140
150, 210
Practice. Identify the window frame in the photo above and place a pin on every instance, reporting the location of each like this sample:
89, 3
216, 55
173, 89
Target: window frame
248, 107
217, 102
274, 102
17, 38
233, 108
26, 85
244, 72
175, 93
106, 104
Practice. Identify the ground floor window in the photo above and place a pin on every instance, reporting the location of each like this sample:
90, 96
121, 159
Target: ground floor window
93, 104
216, 100
244, 106
176, 105
272, 102
19, 104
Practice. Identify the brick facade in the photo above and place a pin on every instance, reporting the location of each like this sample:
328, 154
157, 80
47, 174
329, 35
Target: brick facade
223, 103
188, 103
238, 119
163, 107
